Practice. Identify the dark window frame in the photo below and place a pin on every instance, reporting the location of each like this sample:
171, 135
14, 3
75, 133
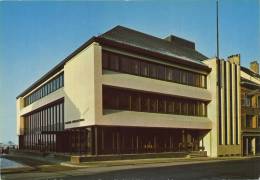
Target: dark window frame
145, 70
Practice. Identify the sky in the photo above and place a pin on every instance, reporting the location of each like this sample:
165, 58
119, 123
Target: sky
35, 36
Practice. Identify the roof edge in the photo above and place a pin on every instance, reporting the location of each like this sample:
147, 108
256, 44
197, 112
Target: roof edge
179, 61
105, 41
57, 67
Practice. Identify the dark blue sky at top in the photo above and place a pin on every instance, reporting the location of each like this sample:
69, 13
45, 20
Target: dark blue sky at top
35, 36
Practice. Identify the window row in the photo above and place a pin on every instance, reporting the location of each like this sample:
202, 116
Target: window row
46, 89
44, 142
130, 65
121, 99
46, 120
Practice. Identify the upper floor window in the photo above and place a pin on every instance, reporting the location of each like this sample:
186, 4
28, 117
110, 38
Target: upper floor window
144, 69
130, 100
49, 87
135, 66
114, 62
248, 100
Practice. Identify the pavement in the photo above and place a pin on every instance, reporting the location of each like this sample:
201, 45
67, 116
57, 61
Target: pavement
161, 168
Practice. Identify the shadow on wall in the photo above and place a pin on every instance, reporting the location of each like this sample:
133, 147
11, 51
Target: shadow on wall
71, 111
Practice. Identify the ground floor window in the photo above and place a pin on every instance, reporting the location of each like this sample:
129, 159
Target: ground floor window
116, 140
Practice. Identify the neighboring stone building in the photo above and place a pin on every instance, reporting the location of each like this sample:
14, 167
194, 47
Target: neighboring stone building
250, 113
129, 92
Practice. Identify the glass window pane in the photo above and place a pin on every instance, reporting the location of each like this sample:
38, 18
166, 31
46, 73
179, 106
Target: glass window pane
153, 70
135, 102
161, 105
161, 72
114, 62
144, 69
124, 100
134, 66
145, 103
124, 64
169, 105
169, 74
176, 75
177, 107
153, 104
105, 60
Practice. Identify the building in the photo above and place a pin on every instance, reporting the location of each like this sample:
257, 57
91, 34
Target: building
250, 99
129, 92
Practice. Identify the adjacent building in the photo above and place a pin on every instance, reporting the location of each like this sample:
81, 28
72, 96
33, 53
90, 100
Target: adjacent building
250, 99
129, 92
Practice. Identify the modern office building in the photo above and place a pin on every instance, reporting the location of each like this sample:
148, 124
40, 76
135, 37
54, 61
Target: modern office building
128, 92
250, 99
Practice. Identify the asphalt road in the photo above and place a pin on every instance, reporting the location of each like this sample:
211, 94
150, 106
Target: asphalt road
241, 169
199, 170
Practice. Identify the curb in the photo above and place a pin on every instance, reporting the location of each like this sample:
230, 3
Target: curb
152, 161
17, 170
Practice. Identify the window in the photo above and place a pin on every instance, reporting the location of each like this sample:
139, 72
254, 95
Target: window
62, 80
54, 85
125, 66
110, 100
44, 90
134, 65
37, 122
124, 100
169, 74
190, 78
161, 72
135, 102
197, 80
191, 108
248, 100
144, 69
249, 121
184, 108
169, 106
177, 107
161, 105
129, 100
153, 104
105, 60
183, 75
114, 62
176, 76
153, 71
58, 83
145, 103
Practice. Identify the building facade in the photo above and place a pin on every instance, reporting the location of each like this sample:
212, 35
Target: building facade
128, 92
250, 99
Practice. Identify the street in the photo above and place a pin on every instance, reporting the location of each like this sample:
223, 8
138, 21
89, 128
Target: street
244, 169
213, 170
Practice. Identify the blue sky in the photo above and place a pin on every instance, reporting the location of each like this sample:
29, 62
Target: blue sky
35, 36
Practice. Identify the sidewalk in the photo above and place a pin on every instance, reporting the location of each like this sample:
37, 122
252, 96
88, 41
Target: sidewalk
41, 164
94, 168
148, 161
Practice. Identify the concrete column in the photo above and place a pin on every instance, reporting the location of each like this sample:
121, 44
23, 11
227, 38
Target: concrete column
247, 146
253, 145
96, 140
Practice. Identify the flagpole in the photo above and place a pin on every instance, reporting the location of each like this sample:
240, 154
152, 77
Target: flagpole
217, 32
